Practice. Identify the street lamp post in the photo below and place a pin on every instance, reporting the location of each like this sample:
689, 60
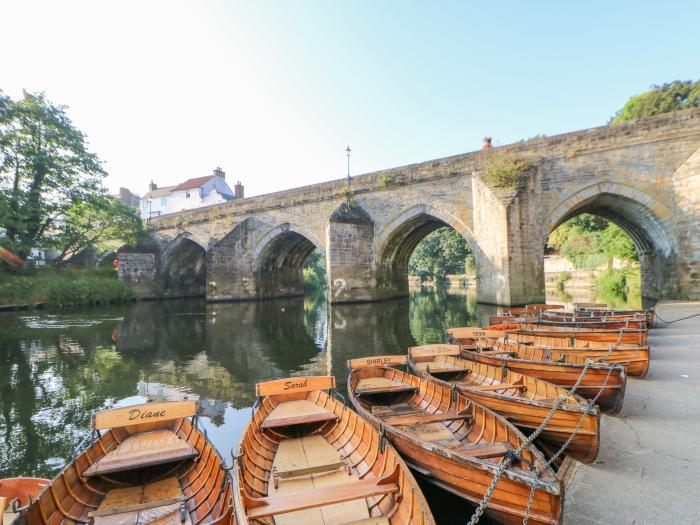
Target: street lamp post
347, 152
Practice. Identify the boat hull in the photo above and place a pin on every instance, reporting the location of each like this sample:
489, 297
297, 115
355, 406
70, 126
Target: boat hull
611, 380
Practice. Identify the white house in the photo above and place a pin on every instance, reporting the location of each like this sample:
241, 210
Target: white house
193, 193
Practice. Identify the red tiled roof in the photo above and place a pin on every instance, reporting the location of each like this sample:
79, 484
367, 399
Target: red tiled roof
191, 184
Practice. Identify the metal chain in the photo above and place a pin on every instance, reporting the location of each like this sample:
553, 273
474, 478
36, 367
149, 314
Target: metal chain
505, 463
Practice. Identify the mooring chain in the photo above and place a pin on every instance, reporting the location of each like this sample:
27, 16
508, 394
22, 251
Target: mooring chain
502, 467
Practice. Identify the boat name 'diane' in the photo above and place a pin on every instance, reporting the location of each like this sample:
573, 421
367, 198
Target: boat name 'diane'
148, 414
291, 385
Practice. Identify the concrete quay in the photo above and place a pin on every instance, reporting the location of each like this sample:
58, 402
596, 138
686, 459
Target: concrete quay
648, 469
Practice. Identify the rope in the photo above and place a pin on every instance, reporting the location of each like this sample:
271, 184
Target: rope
657, 316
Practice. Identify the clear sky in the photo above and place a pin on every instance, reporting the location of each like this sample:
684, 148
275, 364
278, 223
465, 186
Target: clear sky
274, 91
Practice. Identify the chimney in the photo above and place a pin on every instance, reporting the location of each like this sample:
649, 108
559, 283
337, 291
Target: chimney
218, 172
238, 190
152, 186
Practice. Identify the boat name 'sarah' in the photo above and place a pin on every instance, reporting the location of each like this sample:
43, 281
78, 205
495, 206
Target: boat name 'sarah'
290, 385
148, 414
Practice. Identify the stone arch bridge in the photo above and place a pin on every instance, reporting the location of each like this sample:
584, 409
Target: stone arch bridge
644, 176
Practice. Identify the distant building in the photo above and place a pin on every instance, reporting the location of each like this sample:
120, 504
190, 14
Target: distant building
193, 193
130, 199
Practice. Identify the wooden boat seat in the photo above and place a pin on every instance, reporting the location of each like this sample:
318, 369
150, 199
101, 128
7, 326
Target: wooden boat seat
394, 410
381, 385
421, 419
382, 520
485, 450
143, 450
298, 412
308, 496
440, 368
161, 502
498, 386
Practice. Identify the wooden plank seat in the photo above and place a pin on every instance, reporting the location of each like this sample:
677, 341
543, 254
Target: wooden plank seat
495, 386
318, 497
381, 385
417, 419
161, 501
298, 412
485, 450
143, 450
440, 368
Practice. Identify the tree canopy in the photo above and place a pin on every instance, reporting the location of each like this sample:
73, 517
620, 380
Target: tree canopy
51, 192
587, 241
660, 99
441, 253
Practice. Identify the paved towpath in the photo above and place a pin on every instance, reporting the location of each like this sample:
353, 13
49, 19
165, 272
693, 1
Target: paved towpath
648, 469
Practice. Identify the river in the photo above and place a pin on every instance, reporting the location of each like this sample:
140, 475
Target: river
59, 366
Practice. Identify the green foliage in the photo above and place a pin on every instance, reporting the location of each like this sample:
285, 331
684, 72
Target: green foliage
64, 287
660, 99
508, 171
589, 241
620, 288
315, 272
44, 169
563, 278
441, 253
386, 179
97, 222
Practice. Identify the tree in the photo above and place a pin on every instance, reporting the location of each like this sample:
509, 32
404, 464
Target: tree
441, 253
45, 169
95, 222
660, 99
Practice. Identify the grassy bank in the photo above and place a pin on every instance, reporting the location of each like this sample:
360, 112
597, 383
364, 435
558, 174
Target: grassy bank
618, 287
62, 287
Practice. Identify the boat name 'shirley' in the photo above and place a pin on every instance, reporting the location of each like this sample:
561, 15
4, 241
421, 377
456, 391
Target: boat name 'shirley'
378, 360
147, 414
291, 385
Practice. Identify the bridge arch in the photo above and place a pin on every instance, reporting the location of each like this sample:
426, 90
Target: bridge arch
639, 215
279, 257
399, 238
183, 268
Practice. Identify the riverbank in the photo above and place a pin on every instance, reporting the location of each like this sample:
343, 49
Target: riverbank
649, 462
66, 287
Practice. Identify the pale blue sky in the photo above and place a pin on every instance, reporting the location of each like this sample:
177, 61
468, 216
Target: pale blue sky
274, 91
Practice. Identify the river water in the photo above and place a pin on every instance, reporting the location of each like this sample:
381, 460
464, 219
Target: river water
59, 366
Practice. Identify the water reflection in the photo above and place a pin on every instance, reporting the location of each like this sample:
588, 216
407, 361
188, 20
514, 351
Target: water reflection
56, 368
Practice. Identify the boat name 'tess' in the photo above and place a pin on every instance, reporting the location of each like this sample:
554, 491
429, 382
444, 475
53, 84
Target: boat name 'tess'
290, 385
148, 414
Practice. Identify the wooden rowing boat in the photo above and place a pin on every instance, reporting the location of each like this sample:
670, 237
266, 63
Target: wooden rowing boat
608, 379
456, 443
593, 323
16, 494
635, 358
635, 336
306, 458
523, 400
144, 464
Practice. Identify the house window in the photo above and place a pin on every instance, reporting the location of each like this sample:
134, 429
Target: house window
163, 201
187, 193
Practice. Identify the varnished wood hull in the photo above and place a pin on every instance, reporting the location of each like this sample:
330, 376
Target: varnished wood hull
635, 358
463, 476
205, 485
529, 413
573, 324
359, 444
632, 337
610, 379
